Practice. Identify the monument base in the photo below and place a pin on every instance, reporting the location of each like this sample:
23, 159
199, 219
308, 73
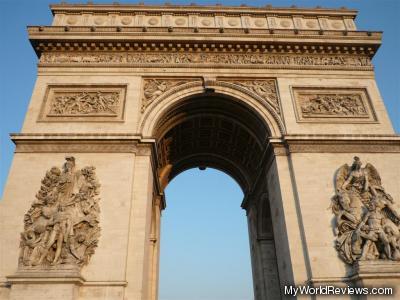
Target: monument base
45, 283
378, 274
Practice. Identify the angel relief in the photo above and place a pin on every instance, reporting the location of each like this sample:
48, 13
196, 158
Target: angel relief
62, 225
368, 223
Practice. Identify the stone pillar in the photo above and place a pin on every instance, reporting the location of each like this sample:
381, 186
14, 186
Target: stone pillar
137, 268
154, 256
256, 265
263, 257
286, 217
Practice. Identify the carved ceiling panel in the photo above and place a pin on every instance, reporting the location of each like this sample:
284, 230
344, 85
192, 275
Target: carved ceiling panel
213, 134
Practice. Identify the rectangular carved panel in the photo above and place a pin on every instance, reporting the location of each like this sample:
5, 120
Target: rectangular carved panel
322, 104
86, 103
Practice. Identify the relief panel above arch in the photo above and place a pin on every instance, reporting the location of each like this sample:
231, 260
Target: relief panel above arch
333, 104
83, 103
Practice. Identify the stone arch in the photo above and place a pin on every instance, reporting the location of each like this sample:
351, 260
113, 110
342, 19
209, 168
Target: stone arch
225, 126
155, 110
245, 119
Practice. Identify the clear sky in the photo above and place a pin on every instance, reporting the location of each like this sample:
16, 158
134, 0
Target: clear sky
205, 253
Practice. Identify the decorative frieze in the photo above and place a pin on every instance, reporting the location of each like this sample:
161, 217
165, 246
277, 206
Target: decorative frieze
332, 104
83, 103
367, 220
62, 226
182, 18
192, 59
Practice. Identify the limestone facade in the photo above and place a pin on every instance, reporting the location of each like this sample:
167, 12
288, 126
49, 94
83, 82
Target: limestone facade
279, 99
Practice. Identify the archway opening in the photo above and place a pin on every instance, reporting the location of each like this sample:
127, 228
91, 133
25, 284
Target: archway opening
211, 130
204, 241
215, 131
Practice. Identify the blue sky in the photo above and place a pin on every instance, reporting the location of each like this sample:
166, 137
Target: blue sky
205, 253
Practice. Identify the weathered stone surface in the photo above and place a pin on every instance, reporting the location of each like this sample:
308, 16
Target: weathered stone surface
277, 98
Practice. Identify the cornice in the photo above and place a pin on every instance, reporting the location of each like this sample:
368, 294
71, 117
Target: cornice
343, 137
16, 137
133, 143
187, 9
89, 143
136, 32
81, 143
47, 39
336, 143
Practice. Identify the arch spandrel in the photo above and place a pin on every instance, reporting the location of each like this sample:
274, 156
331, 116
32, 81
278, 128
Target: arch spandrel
154, 111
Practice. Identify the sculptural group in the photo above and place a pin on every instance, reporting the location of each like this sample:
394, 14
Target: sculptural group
62, 225
367, 218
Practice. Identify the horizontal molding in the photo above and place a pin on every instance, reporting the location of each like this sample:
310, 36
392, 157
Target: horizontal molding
82, 143
131, 143
188, 40
337, 144
206, 59
121, 33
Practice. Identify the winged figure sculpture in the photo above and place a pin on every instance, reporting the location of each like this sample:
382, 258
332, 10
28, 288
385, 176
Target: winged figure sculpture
367, 218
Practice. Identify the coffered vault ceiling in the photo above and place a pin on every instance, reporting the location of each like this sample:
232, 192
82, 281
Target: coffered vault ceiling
211, 131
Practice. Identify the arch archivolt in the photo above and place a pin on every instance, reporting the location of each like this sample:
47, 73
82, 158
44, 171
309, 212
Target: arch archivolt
260, 95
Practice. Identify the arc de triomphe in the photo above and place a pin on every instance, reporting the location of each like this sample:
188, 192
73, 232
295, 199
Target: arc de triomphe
129, 96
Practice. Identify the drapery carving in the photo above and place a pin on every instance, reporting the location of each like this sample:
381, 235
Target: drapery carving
367, 218
62, 225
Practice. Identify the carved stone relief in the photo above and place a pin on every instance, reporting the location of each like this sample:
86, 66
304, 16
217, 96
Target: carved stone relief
367, 218
62, 226
319, 104
188, 59
75, 103
337, 105
264, 88
183, 17
154, 88
85, 103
